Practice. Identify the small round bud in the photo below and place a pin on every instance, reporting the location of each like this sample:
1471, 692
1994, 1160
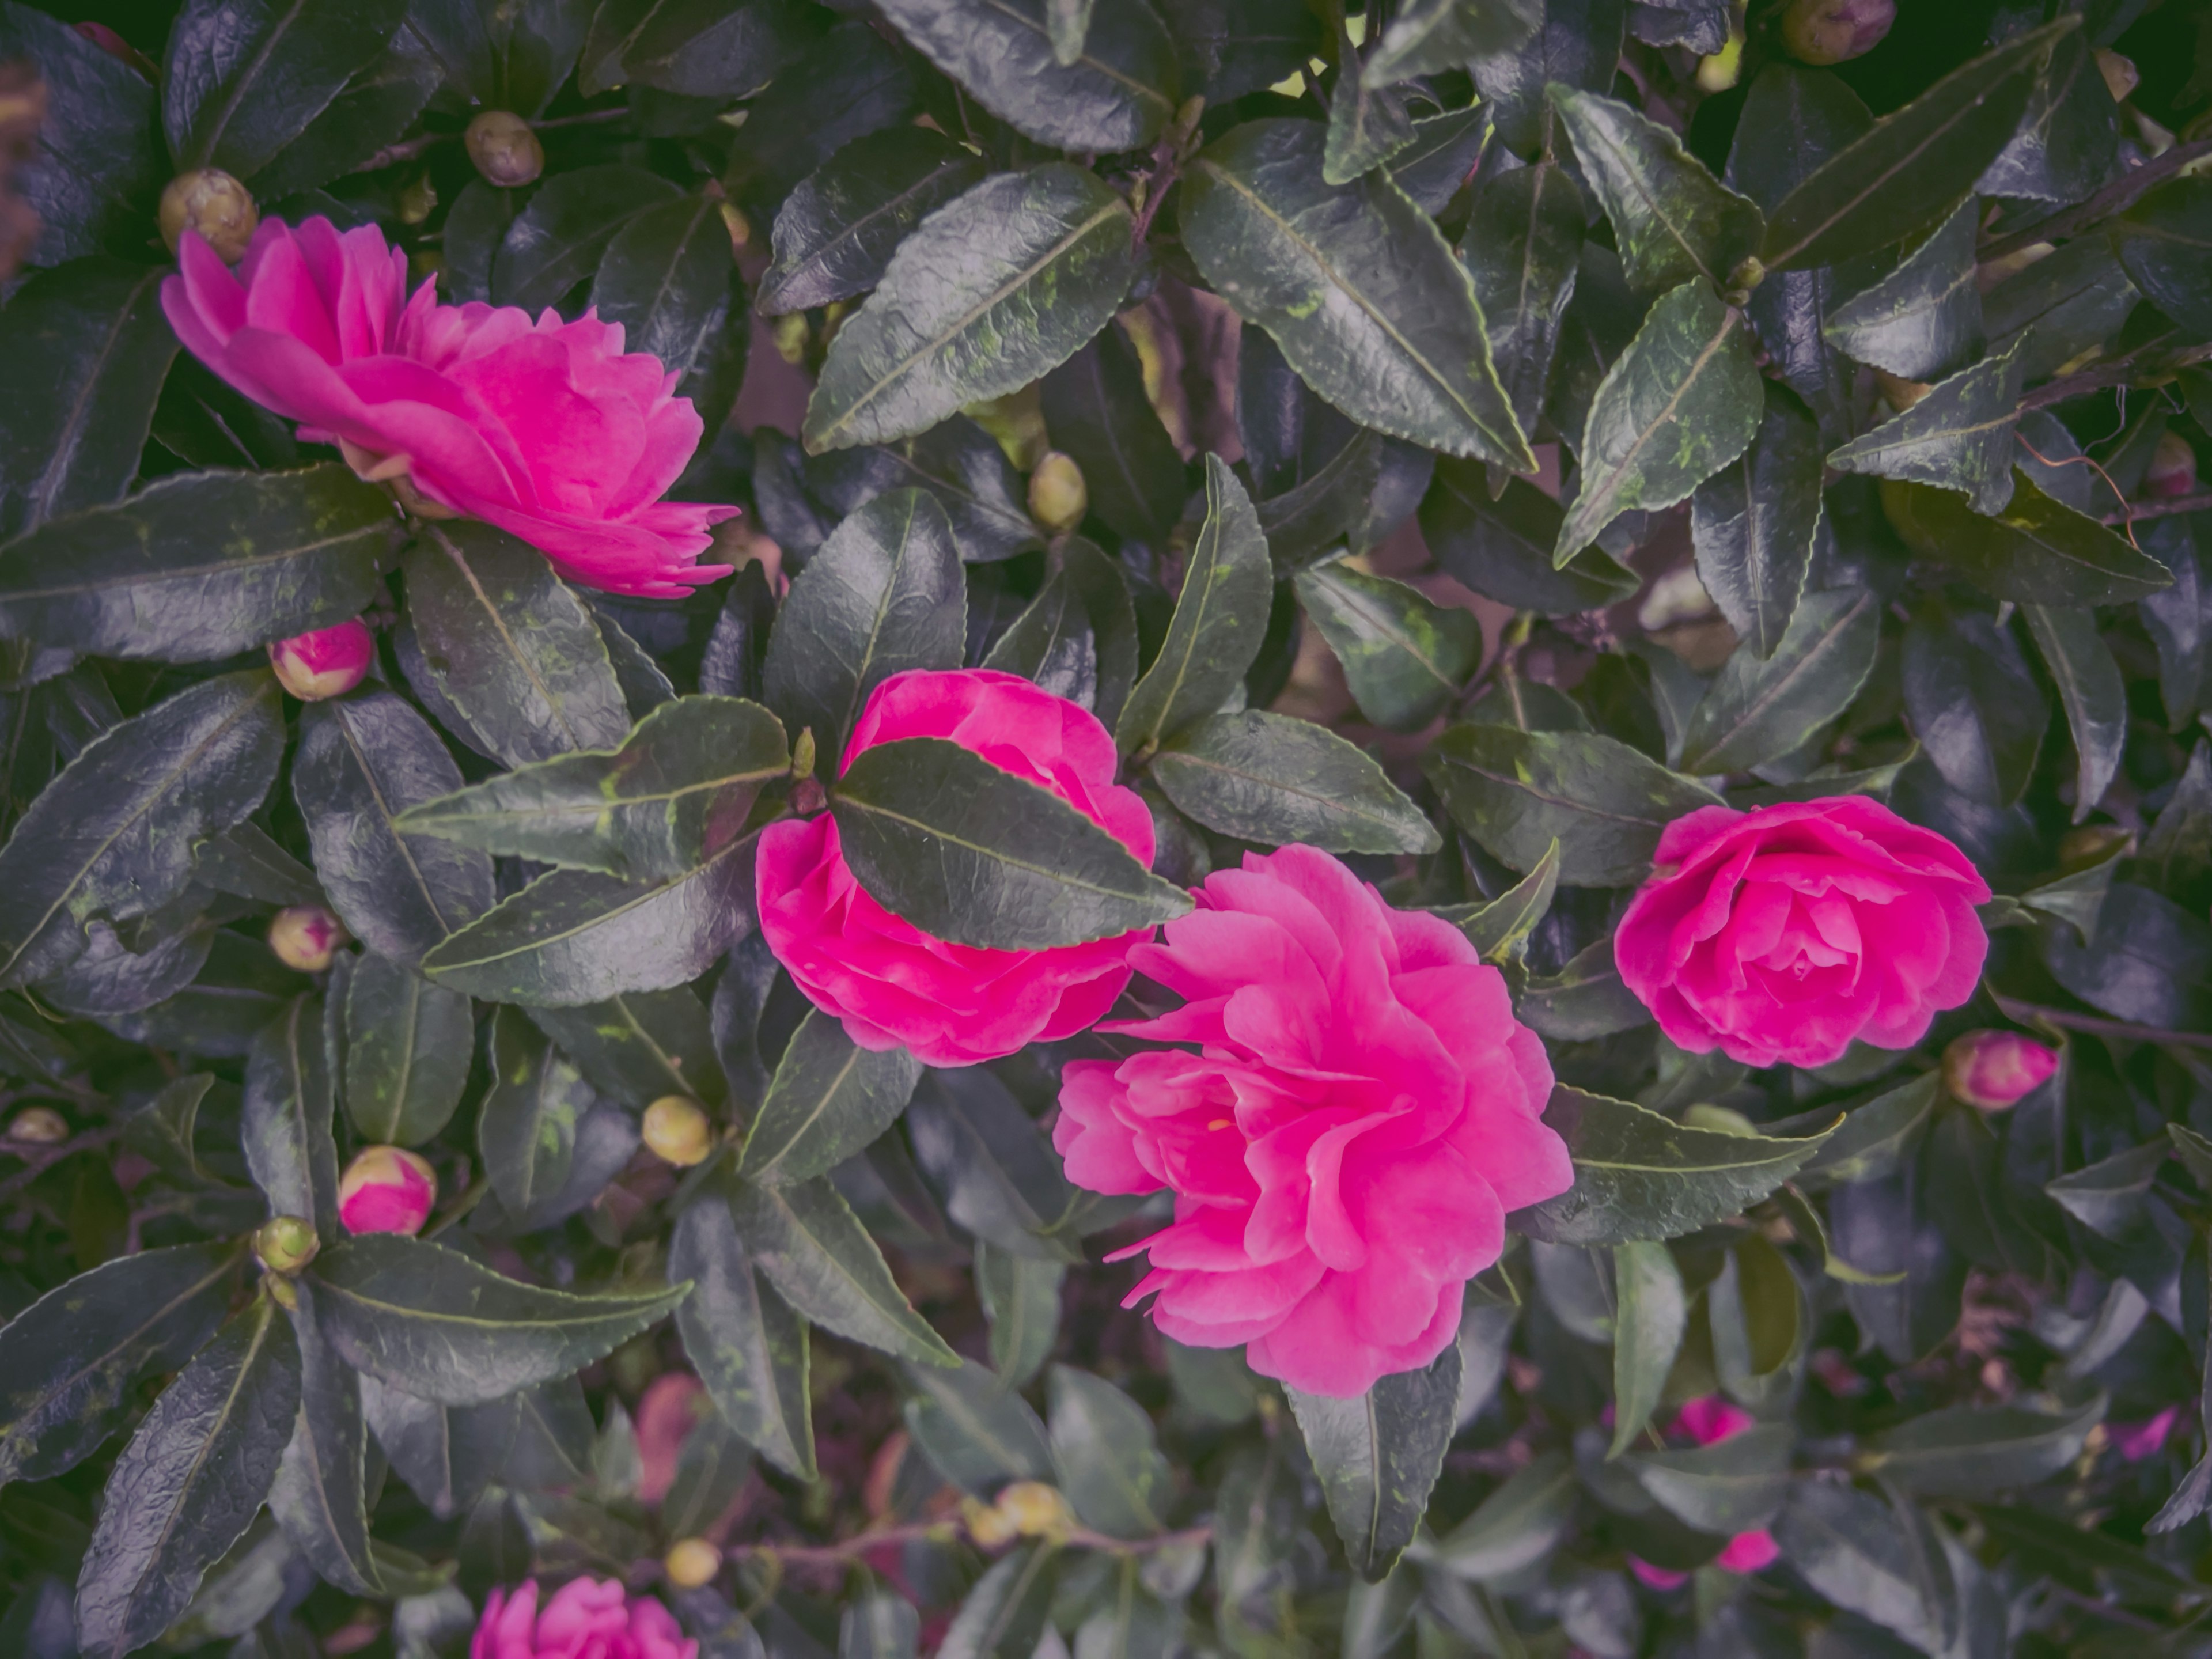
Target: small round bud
1901, 392
691, 1562
1823, 31
327, 663
1058, 496
678, 1131
986, 1525
739, 227
286, 1243
386, 1189
803, 756
1992, 1070
305, 937
790, 337
504, 149
214, 206
2121, 76
417, 200
39, 1126
1034, 1508
2172, 470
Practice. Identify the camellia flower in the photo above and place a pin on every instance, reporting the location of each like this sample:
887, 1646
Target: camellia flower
546, 428
1996, 1069
328, 662
1360, 1112
386, 1189
1787, 933
952, 1005
1707, 1421
585, 1619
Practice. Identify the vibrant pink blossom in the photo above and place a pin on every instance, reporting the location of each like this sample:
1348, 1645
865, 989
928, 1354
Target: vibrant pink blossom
2136, 1441
1358, 1111
1994, 1069
1707, 1421
329, 662
892, 984
585, 1619
1788, 932
386, 1189
546, 428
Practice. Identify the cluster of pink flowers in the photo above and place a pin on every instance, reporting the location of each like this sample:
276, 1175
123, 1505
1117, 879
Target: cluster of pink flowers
585, 1618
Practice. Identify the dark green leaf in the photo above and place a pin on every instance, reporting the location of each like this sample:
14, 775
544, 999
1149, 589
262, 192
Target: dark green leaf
1518, 793
1115, 94
1107, 1456
882, 595
1849, 1546
828, 1099
1021, 1299
997, 288
1641, 1177
1512, 1529
704, 49
958, 462
1355, 284
244, 860
1496, 928
558, 240
1051, 644
1369, 121
836, 232
815, 1251
1733, 1485
1502, 549
190, 1482
1754, 521
1872, 1139
1442, 155
1272, 779
1924, 317
1672, 220
1578, 43
638, 1047
1097, 412
476, 226
243, 78
2067, 303
113, 834
2035, 551
1000, 1178
96, 167
2147, 963
427, 1320
526, 1126
881, 1624
1794, 119
1957, 437
285, 1123
1973, 704
1404, 657
294, 551
1969, 1451
2091, 691
373, 109
2068, 143
1005, 1614
319, 1497
665, 278
1428, 35
747, 1346
407, 1050
2107, 1197
1310, 519
1378, 1455
1524, 245
974, 1428
1762, 709
1584, 1000
2163, 241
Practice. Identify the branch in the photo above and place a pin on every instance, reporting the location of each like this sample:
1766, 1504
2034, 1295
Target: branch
2115, 197
2027, 1013
38, 1159
2164, 508
407, 148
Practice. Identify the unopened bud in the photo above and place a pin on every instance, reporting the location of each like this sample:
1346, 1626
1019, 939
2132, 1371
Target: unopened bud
2172, 470
215, 207
387, 1189
691, 1562
39, 1126
305, 937
417, 200
986, 1525
803, 756
326, 662
504, 149
1822, 32
1034, 1509
1993, 1069
2121, 76
1901, 392
286, 1243
1058, 496
677, 1131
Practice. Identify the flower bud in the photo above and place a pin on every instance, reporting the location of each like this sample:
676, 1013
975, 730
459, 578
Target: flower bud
1058, 496
506, 151
2172, 470
286, 1243
1034, 1508
986, 1525
327, 663
39, 1126
215, 205
2121, 76
677, 1131
305, 937
1901, 392
386, 1189
1993, 1069
691, 1562
1823, 31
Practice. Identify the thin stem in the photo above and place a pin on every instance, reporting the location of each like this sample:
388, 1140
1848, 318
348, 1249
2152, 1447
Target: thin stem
845, 1551
2115, 197
407, 150
2164, 507
2025, 1012
38, 1159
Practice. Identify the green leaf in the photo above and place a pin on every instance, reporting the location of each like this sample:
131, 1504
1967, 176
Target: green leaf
1849, 1546
2073, 300
1640, 1177
2163, 242
1973, 703
1369, 121
294, 551
1759, 1320
1097, 412
94, 332
1649, 1324
244, 860
67, 1362
374, 108
815, 1251
1066, 23
1761, 709
958, 462
1496, 929
974, 855
1969, 1451
362, 761
1107, 1456
2106, 1196
1051, 643
1958, 437
704, 49
97, 166
1005, 1614
1523, 247
1117, 94
835, 234
1733, 1485
1511, 1529
1428, 35
683, 779
882, 595
1873, 1139
284, 1125
1911, 168
407, 1051
1000, 1178
511, 645
1502, 549
1219, 619
319, 1497
2035, 551
1578, 43
1021, 1299
2068, 142
1378, 1455
242, 79
1682, 402
746, 1343
1404, 657
429, 1320
1925, 316
666, 279
2091, 691
113, 834
881, 1624
977, 1431
526, 1126
1672, 220
1602, 802
640, 1045
1272, 779
1584, 1000
997, 288
1355, 284
828, 1099
1754, 522
559, 239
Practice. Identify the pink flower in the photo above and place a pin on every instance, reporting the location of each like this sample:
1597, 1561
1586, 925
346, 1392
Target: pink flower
1784, 934
2135, 1441
587, 1619
1708, 1420
326, 662
386, 1189
670, 1408
1359, 1111
1994, 1069
545, 429
951, 1004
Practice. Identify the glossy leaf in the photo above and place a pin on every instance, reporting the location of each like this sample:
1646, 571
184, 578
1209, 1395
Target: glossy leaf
1731, 1486
958, 462
1923, 318
1762, 709
1441, 35
746, 1343
1021, 1299
1968, 1451
2035, 551
975, 1429
1051, 644
1577, 44
1404, 657
557, 240
1672, 220
526, 1124
1648, 1323
2092, 692
2068, 142
1272, 779
97, 166
407, 1051
1378, 1456
284, 1125
835, 234
1958, 436
1106, 1456
666, 279
242, 80
1498, 927
814, 1250
2162, 242
1502, 549
1000, 1177
1514, 1528
1523, 247
1754, 525
640, 1045
1097, 412
1973, 704
1584, 1000
1369, 122
828, 1099
319, 1497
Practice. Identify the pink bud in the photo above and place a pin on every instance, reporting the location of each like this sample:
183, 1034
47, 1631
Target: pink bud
2135, 1441
2172, 470
1993, 1069
670, 1408
1710, 1419
1830, 31
387, 1189
305, 937
1659, 1579
327, 663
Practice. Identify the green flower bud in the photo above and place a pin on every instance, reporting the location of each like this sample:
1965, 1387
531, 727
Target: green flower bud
286, 1243
504, 149
1058, 496
213, 204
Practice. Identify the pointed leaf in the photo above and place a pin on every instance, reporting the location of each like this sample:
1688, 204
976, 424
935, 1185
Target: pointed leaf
1672, 220
1000, 1178
835, 234
1369, 122
828, 1099
2091, 691
1405, 657
2162, 242
665, 280
1496, 927
640, 1045
1753, 523
1925, 316
526, 1126
2035, 551
1378, 1455
747, 1345
1731, 1486
973, 1428
1051, 644
320, 1499
1578, 43
1761, 709
560, 237
407, 1051
1427, 35
1502, 549
1523, 247
1021, 1299
284, 1125
1650, 1316
1107, 1456
242, 80
814, 1250
958, 462
1271, 779
1969, 1451
1959, 436
1514, 1528
1097, 412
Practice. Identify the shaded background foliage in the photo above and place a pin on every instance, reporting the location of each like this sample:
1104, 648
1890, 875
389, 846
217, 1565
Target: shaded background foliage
1860, 407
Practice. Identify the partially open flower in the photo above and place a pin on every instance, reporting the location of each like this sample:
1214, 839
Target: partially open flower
1831, 31
677, 1131
504, 149
387, 1189
329, 662
305, 937
286, 1243
1993, 1070
216, 206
